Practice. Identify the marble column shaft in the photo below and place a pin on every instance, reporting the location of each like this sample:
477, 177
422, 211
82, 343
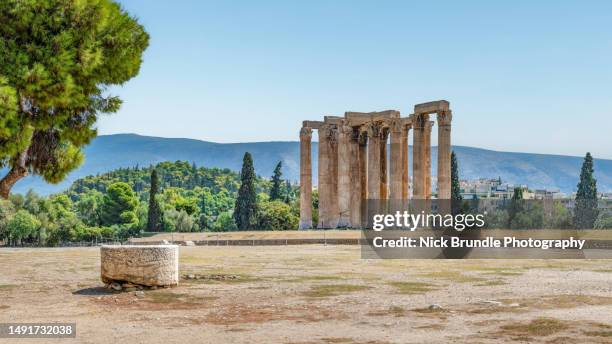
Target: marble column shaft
444, 155
384, 173
405, 175
305, 178
418, 163
355, 180
344, 178
374, 160
427, 158
396, 162
328, 203
363, 175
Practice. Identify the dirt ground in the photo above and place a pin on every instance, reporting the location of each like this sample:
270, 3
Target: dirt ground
314, 294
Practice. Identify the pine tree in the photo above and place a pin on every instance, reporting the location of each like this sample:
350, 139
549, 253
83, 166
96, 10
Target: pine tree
155, 215
245, 210
585, 212
455, 186
275, 191
59, 58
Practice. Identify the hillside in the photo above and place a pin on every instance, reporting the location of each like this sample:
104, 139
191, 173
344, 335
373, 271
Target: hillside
109, 152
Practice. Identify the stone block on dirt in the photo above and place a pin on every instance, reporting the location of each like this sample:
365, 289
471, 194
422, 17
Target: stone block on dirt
147, 265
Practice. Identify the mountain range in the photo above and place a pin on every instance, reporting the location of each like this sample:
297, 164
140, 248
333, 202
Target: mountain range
108, 152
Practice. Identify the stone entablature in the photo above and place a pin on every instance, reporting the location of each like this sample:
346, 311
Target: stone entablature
353, 164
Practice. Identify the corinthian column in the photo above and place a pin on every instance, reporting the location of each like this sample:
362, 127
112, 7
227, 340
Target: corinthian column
354, 180
444, 155
363, 176
427, 158
397, 160
374, 150
328, 203
405, 175
344, 180
305, 178
418, 162
384, 187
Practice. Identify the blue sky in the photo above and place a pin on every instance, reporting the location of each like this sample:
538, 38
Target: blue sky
531, 76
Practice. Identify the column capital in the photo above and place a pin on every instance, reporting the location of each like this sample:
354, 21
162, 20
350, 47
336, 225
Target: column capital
345, 129
374, 129
329, 131
396, 125
445, 117
419, 120
306, 133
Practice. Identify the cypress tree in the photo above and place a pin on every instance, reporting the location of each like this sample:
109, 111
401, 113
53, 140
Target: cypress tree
516, 205
288, 192
245, 210
455, 187
585, 212
275, 191
155, 214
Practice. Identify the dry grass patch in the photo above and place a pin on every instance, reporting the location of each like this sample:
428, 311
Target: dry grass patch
342, 340
172, 298
573, 331
240, 314
451, 276
395, 311
540, 327
561, 301
300, 279
333, 289
413, 287
490, 283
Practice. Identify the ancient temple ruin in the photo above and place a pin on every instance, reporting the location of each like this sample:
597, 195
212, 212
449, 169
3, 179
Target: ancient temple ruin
353, 166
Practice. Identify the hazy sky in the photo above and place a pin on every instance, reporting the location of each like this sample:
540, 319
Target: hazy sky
532, 76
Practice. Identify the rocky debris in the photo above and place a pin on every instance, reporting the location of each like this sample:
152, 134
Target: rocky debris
435, 307
491, 303
189, 243
128, 287
139, 293
212, 277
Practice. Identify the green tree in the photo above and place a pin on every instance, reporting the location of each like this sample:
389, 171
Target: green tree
245, 209
119, 205
155, 216
58, 59
455, 186
88, 207
604, 220
585, 211
275, 190
185, 222
276, 216
225, 222
21, 226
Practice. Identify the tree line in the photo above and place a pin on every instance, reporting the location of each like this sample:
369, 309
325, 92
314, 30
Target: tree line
170, 196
